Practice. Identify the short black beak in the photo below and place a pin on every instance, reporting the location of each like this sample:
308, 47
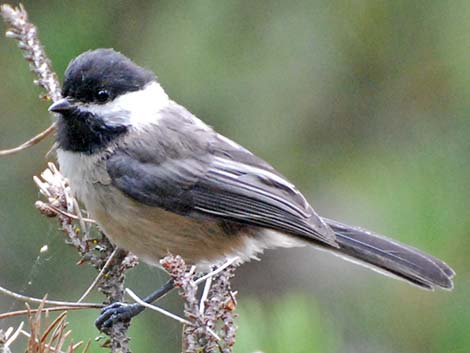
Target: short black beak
61, 106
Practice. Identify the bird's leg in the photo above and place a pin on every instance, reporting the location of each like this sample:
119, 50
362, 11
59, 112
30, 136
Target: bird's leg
124, 312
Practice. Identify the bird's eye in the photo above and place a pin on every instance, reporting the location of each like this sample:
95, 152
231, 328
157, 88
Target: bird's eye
102, 95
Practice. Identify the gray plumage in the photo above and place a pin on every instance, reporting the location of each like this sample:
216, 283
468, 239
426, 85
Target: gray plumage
158, 179
191, 171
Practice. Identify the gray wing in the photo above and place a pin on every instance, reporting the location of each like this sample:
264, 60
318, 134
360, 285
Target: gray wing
215, 177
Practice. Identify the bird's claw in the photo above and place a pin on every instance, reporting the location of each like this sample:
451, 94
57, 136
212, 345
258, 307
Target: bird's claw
116, 312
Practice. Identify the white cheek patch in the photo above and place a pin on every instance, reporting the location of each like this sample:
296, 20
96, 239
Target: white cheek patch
140, 107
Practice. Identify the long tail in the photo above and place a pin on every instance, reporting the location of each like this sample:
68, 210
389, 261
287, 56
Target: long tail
391, 257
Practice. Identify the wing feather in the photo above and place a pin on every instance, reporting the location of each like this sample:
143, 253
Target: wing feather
213, 176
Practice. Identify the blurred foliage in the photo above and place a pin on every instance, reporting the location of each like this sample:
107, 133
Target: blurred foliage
363, 104
290, 324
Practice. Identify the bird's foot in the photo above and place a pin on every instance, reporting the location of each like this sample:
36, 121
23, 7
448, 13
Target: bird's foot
117, 312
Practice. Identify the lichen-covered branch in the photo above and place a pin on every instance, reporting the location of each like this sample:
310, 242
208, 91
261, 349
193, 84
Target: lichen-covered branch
60, 203
25, 33
212, 315
95, 251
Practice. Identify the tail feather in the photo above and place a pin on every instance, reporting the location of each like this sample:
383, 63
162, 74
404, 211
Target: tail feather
391, 257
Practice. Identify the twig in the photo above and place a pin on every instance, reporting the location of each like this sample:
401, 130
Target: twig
156, 308
97, 252
218, 269
100, 275
213, 328
26, 34
40, 205
222, 306
211, 331
13, 337
56, 189
138, 300
31, 142
27, 299
48, 309
78, 212
204, 295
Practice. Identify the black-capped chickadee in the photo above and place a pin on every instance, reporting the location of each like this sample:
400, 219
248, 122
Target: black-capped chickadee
157, 180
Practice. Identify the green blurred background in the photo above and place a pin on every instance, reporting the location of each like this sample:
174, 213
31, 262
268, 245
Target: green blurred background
363, 104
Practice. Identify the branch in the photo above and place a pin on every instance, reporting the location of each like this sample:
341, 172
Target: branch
47, 309
111, 263
31, 142
138, 300
210, 320
8, 337
212, 327
100, 275
25, 33
27, 299
54, 187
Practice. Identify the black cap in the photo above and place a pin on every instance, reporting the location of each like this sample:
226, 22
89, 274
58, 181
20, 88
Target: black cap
103, 74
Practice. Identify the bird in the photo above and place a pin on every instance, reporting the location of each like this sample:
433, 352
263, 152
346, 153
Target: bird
158, 180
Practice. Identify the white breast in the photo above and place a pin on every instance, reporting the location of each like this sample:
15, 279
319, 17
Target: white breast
83, 172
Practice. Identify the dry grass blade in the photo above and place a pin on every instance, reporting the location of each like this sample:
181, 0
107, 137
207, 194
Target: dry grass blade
73, 347
87, 347
54, 338
54, 323
62, 336
34, 326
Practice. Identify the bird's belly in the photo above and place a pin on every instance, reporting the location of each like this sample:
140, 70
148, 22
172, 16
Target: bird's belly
151, 233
